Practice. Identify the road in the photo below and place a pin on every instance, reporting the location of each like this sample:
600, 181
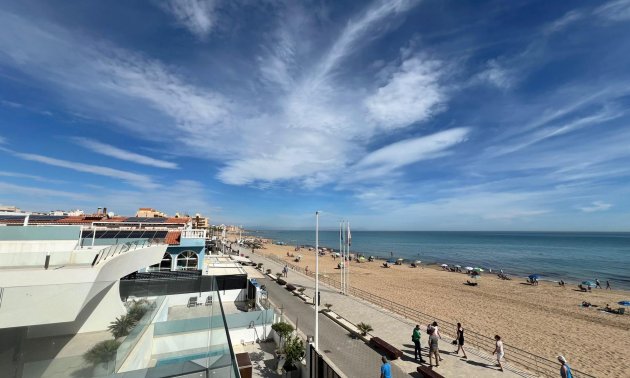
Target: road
353, 357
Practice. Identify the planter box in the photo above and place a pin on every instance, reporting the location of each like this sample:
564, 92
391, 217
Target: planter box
291, 287
280, 281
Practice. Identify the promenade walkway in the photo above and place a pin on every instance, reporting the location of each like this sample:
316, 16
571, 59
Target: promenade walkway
393, 328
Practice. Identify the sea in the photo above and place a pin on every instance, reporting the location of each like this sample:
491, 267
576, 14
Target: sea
570, 256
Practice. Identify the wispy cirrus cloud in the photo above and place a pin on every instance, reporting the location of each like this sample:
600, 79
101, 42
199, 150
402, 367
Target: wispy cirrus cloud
198, 16
118, 153
616, 10
135, 179
388, 159
596, 206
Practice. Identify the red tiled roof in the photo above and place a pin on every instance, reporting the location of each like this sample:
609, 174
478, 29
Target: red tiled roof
172, 237
178, 220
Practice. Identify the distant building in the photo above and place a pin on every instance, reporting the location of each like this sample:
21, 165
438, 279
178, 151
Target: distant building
200, 222
147, 212
9, 209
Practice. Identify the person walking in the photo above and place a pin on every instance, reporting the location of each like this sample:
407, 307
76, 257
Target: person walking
434, 351
415, 337
598, 284
285, 270
608, 285
460, 340
306, 270
498, 350
436, 329
565, 369
386, 368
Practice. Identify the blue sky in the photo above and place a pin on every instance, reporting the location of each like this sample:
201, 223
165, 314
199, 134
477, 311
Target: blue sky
410, 115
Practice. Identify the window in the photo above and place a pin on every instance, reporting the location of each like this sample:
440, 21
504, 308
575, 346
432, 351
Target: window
187, 260
164, 265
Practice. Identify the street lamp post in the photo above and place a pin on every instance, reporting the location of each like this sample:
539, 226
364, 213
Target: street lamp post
316, 281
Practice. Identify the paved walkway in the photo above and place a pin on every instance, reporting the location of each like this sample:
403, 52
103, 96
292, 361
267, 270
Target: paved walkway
394, 329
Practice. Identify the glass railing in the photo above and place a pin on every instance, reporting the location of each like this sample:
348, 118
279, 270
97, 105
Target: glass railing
132, 339
155, 345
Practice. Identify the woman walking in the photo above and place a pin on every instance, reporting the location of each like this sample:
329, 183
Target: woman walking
460, 340
498, 350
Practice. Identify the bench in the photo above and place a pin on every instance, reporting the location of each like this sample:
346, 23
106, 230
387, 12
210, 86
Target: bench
290, 287
427, 372
391, 352
280, 281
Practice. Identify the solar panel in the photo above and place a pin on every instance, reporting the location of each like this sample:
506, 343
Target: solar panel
12, 217
144, 220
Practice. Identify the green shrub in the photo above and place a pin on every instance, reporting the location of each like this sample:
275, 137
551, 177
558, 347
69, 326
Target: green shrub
294, 351
102, 352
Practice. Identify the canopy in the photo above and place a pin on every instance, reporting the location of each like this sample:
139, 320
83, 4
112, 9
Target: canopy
533, 276
588, 283
458, 266
478, 269
391, 261
444, 265
469, 268
624, 303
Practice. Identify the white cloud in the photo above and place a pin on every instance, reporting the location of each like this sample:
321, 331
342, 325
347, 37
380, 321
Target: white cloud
115, 152
564, 21
135, 179
198, 16
412, 94
33, 193
497, 75
27, 176
409, 151
618, 10
596, 206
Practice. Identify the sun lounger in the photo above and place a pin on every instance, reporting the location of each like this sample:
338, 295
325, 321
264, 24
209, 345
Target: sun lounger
192, 302
209, 300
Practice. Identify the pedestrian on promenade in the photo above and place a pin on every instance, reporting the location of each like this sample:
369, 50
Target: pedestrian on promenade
460, 340
565, 369
498, 350
435, 327
434, 351
598, 284
415, 337
608, 285
285, 270
386, 368
306, 270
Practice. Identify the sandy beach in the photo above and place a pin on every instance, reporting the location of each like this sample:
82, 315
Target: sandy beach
546, 320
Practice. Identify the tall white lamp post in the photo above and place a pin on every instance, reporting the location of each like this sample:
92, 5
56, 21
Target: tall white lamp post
317, 281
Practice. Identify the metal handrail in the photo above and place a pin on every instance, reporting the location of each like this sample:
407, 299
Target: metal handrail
532, 362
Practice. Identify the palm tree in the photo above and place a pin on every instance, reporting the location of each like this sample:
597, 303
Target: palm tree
121, 326
364, 328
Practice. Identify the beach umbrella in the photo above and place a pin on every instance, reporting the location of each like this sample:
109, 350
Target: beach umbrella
588, 283
458, 266
478, 269
444, 265
469, 268
624, 303
533, 276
